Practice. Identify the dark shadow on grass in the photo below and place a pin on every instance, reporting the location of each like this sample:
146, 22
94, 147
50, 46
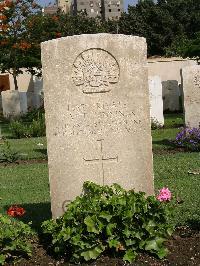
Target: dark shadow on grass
35, 213
194, 224
165, 142
174, 125
43, 151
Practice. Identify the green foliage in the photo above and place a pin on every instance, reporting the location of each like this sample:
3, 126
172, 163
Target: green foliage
33, 114
36, 128
164, 24
14, 239
8, 154
110, 219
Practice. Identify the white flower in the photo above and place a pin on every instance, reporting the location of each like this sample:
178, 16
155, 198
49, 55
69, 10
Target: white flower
40, 144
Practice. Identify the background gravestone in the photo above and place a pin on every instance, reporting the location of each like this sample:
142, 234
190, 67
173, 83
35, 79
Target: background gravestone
35, 96
11, 103
23, 102
97, 114
191, 92
156, 100
171, 94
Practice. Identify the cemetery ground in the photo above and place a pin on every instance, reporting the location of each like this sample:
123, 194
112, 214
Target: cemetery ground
25, 183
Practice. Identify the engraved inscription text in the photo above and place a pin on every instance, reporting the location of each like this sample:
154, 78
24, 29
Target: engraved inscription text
98, 119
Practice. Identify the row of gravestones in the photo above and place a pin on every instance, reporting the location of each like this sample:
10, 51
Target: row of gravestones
98, 113
16, 103
163, 96
190, 87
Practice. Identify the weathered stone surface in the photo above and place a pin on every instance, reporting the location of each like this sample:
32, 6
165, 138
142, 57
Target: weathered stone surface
156, 100
23, 102
11, 103
38, 91
171, 94
191, 91
97, 114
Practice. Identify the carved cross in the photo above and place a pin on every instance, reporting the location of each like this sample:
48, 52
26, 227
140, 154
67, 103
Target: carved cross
102, 159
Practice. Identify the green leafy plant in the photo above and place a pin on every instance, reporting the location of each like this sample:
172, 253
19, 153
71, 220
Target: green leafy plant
110, 219
8, 154
14, 239
33, 114
35, 128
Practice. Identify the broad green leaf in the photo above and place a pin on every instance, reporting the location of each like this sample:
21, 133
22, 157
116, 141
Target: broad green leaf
149, 226
113, 243
109, 229
91, 225
106, 216
66, 233
162, 253
154, 244
130, 242
127, 232
2, 259
170, 231
93, 253
130, 256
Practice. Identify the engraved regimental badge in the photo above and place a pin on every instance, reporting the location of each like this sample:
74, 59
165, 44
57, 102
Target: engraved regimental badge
95, 71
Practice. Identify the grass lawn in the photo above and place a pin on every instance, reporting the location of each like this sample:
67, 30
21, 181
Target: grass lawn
28, 184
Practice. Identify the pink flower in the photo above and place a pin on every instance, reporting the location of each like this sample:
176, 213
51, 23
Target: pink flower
164, 194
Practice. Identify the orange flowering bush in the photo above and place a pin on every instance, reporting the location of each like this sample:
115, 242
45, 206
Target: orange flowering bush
18, 41
2, 17
23, 45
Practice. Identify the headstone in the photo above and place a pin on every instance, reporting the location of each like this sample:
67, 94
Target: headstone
35, 98
38, 92
97, 114
191, 91
171, 94
23, 102
38, 85
1, 107
11, 103
156, 100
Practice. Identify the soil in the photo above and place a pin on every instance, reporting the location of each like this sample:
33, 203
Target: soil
31, 161
169, 151
184, 249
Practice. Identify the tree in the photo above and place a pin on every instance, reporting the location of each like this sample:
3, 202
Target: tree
18, 48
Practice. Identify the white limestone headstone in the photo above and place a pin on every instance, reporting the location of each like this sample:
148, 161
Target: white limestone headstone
38, 91
11, 103
97, 114
23, 102
191, 91
156, 100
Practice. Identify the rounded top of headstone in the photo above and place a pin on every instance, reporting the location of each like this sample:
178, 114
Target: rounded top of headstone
97, 35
